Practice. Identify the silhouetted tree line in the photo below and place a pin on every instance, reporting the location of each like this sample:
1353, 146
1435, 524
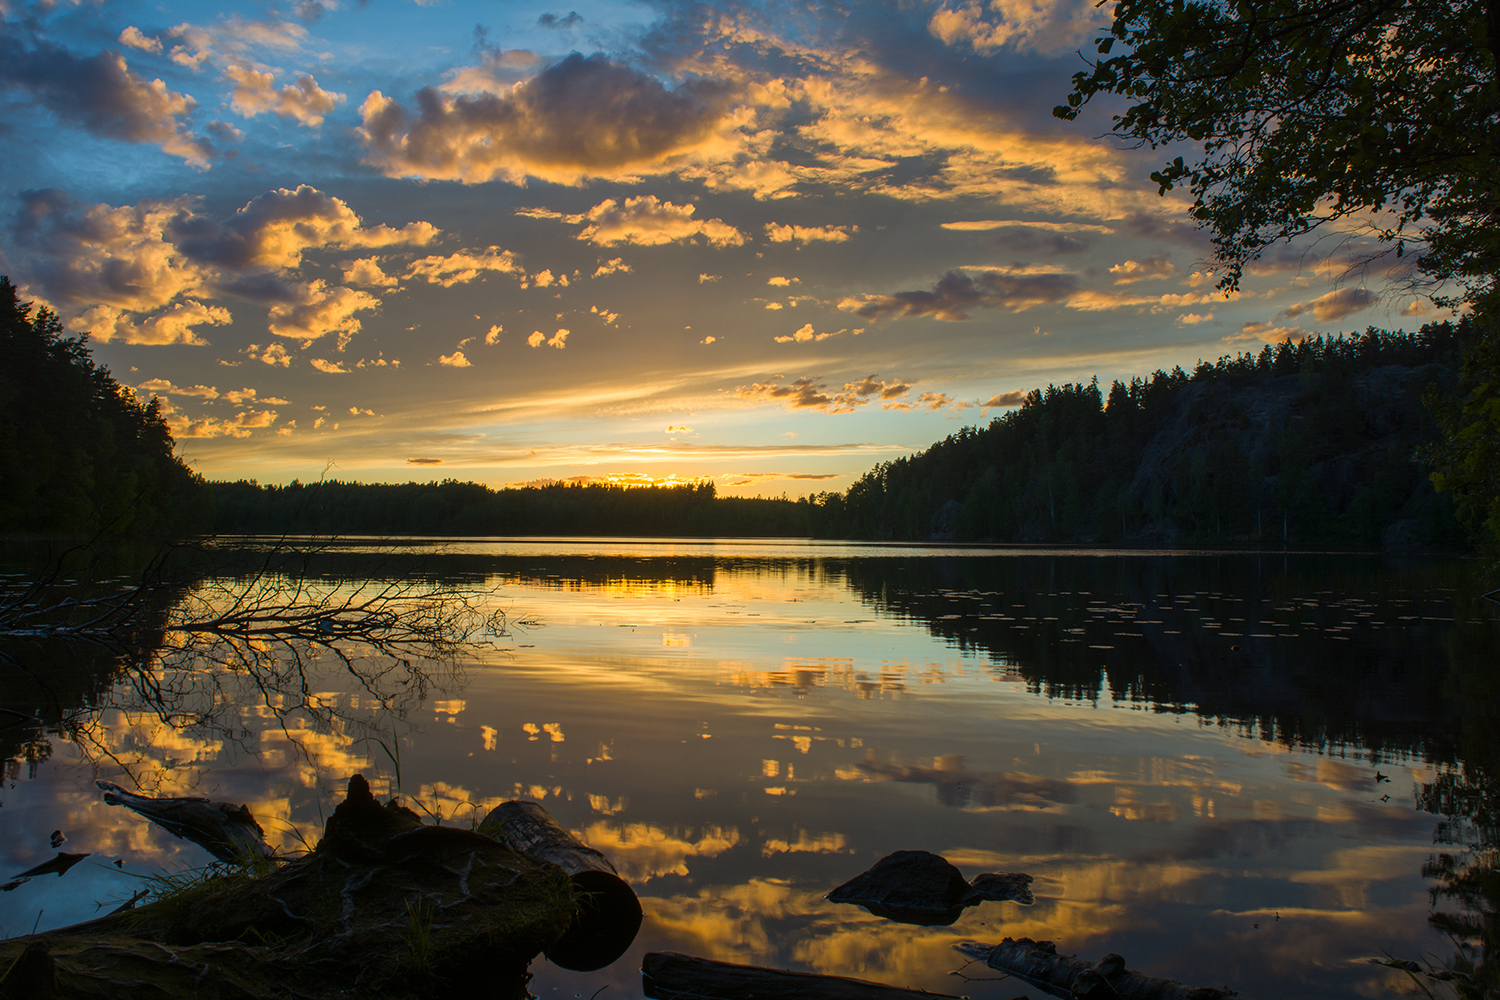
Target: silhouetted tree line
458, 508
79, 453
1316, 441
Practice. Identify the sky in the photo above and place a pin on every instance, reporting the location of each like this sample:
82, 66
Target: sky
769, 243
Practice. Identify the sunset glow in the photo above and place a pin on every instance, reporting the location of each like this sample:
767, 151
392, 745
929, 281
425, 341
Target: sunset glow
767, 245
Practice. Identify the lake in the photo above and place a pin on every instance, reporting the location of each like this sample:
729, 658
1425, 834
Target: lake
1240, 769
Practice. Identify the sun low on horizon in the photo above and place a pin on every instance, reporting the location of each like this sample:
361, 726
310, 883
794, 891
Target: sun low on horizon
768, 244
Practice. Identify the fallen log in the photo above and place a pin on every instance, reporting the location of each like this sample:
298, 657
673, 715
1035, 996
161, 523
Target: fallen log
383, 906
608, 916
1039, 964
226, 831
667, 975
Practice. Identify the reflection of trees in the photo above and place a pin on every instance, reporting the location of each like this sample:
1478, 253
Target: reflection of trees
1354, 660
1466, 794
1385, 662
204, 651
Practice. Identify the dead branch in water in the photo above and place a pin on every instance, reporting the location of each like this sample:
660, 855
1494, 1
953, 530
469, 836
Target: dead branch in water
198, 635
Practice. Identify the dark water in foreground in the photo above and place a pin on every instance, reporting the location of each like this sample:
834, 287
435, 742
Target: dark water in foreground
1182, 749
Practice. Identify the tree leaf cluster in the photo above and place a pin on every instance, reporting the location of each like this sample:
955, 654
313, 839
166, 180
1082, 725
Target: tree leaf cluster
79, 453
1381, 115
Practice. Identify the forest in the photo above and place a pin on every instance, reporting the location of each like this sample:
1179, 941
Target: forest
452, 507
1323, 441
1328, 441
80, 454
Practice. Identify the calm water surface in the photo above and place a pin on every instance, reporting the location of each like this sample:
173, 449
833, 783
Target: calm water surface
1182, 748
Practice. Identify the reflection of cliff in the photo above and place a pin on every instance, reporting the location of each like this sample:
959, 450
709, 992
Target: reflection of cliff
1284, 648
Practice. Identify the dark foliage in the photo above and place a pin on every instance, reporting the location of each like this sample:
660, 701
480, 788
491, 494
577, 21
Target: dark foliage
456, 508
79, 454
1303, 443
1466, 457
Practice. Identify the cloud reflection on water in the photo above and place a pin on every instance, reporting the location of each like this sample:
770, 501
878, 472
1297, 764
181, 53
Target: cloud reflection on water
1151, 830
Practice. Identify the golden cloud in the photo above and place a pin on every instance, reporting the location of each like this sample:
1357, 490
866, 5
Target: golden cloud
580, 118
464, 266
321, 310
254, 92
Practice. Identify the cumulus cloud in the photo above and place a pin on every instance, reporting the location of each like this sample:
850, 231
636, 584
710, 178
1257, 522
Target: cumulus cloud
1045, 26
1142, 270
493, 336
164, 387
273, 230
101, 94
462, 267
813, 394
328, 368
133, 37
254, 92
368, 272
558, 340
238, 426
777, 233
175, 325
958, 292
454, 360
648, 221
614, 265
143, 272
806, 334
272, 354
319, 310
781, 282
1013, 398
580, 118
1334, 306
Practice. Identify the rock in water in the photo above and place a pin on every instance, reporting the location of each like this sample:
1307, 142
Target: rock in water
1014, 886
911, 887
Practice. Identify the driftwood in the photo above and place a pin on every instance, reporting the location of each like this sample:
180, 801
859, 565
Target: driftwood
384, 906
1066, 976
918, 887
608, 915
226, 831
667, 975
